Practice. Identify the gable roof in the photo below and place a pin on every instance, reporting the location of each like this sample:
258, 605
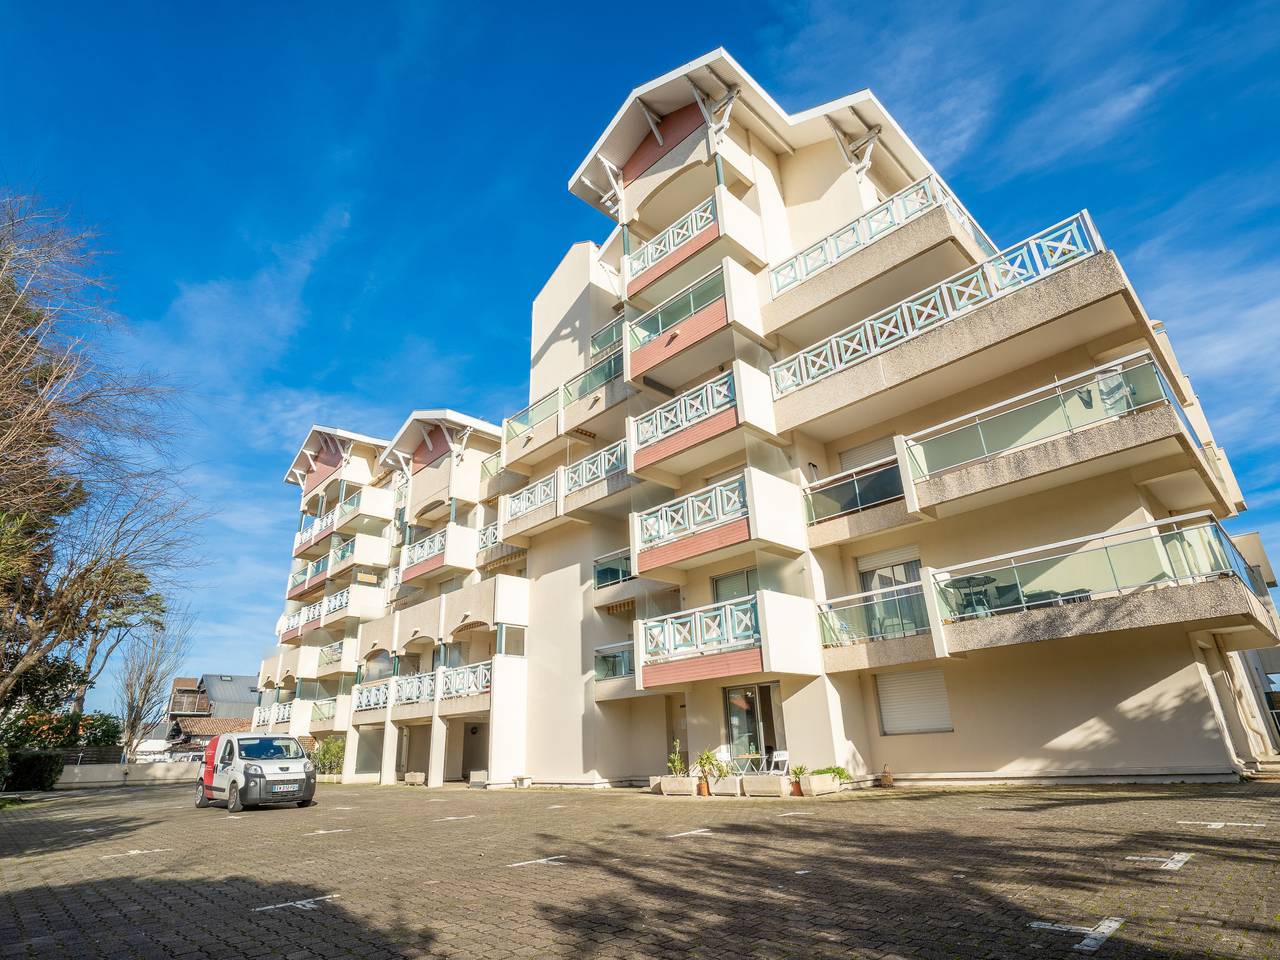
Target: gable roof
320, 436
406, 440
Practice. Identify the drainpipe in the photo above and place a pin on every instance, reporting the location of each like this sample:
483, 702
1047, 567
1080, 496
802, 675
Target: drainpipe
719, 171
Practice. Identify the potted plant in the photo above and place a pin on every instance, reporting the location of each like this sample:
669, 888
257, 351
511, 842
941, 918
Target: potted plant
824, 781
798, 771
677, 782
711, 771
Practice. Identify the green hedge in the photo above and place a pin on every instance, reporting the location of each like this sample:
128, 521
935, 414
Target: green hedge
34, 770
329, 754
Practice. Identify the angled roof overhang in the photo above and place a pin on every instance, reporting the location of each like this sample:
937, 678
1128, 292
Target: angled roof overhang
319, 439
457, 427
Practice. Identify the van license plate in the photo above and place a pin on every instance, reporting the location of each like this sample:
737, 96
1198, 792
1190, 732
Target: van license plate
283, 788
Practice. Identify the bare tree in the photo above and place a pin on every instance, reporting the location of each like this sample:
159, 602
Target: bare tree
150, 660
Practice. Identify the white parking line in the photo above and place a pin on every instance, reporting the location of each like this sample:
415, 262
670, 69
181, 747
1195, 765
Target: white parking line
701, 831
549, 861
556, 806
1218, 824
233, 816
1175, 862
316, 833
1094, 936
310, 903
134, 853
801, 873
798, 813
469, 816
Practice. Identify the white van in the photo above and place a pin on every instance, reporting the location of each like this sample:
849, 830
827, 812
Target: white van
247, 769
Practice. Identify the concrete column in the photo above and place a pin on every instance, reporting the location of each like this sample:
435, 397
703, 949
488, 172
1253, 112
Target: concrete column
439, 731
349, 756
390, 740
813, 720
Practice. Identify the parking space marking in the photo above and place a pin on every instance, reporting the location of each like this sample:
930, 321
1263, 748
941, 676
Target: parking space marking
1094, 936
798, 813
317, 833
469, 816
234, 816
1175, 862
135, 853
311, 903
549, 861
700, 832
556, 806
1218, 824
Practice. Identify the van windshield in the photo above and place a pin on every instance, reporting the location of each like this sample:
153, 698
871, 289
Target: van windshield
270, 748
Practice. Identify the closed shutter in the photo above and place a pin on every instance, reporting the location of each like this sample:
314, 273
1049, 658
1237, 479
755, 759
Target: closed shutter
888, 558
865, 453
913, 702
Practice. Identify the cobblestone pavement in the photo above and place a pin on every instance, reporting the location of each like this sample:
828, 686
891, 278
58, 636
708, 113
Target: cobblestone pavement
381, 872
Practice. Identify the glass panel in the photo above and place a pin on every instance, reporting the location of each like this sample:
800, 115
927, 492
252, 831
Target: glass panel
610, 570
1027, 424
532, 415
893, 614
594, 378
742, 710
603, 339
702, 294
734, 586
855, 493
615, 663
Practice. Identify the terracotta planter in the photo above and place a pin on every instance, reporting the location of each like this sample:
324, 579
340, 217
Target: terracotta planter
703, 789
795, 789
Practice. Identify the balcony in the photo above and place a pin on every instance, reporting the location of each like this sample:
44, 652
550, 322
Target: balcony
532, 510
456, 690
914, 237
939, 341
359, 601
529, 437
369, 701
1183, 570
365, 511
360, 550
311, 540
1122, 415
309, 579
593, 400
599, 480
879, 628
701, 425
495, 479
448, 551
336, 658
752, 511
298, 662
856, 503
766, 633
330, 715
302, 621
493, 551
615, 673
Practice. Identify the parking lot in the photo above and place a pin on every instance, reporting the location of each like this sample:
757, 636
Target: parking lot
380, 872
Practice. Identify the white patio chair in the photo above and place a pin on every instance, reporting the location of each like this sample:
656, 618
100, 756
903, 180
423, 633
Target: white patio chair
779, 762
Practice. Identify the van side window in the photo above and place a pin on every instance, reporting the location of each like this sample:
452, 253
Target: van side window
227, 753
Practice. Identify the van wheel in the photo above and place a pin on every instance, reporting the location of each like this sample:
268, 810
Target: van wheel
233, 799
202, 800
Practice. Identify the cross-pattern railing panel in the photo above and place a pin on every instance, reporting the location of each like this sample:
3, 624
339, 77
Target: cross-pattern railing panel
673, 238
1046, 252
697, 511
370, 696
416, 688
687, 409
532, 496
709, 629
489, 536
337, 601
601, 464
468, 681
424, 549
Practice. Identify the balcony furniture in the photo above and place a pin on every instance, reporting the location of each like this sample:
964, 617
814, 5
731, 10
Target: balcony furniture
779, 762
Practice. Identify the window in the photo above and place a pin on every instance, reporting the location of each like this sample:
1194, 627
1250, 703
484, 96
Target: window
913, 702
865, 453
228, 752
270, 748
612, 569
734, 586
893, 575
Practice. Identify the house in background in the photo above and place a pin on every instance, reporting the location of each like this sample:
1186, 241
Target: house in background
201, 709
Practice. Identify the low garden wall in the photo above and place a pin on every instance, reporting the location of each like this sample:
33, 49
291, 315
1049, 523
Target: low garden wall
120, 774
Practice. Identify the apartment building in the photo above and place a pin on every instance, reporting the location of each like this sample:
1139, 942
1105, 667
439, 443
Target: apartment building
812, 467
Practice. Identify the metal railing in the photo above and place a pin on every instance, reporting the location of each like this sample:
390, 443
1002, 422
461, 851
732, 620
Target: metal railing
594, 377
605, 338
853, 490
416, 688
709, 629
282, 712
534, 414
312, 611
489, 536
292, 620
337, 601
424, 549
468, 681
330, 654
902, 207
351, 503
699, 294
615, 660
1161, 553
1124, 386
531, 497
611, 569
1039, 256
323, 710
298, 577
874, 615
673, 238
372, 695
700, 510
343, 551
688, 408
316, 527
603, 463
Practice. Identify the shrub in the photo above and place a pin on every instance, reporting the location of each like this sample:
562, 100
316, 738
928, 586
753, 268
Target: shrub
99, 730
840, 773
4, 766
675, 762
329, 754
46, 731
34, 770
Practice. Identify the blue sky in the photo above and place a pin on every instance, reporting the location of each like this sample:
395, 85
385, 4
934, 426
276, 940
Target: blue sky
325, 213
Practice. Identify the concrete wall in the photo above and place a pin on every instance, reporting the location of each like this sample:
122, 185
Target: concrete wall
120, 774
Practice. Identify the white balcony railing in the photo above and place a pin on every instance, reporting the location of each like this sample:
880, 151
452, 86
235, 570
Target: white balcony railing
370, 696
337, 601
312, 612
424, 549
673, 238
416, 688
695, 512
282, 712
532, 496
603, 463
468, 681
324, 710
903, 206
489, 536
316, 527
292, 621
1038, 256
710, 629
331, 654
687, 409
261, 717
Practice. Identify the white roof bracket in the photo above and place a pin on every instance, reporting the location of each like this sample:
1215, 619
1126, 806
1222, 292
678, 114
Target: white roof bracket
653, 119
615, 177
849, 147
608, 198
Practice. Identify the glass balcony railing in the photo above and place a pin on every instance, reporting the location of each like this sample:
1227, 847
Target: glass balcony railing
1163, 553
1102, 393
854, 490
1025, 262
324, 710
343, 551
689, 408
594, 377
603, 463
615, 660
672, 239
710, 629
424, 549
531, 497
614, 568
606, 337
698, 511
330, 654
351, 503
875, 615
905, 205
491, 465
683, 305
299, 577
534, 414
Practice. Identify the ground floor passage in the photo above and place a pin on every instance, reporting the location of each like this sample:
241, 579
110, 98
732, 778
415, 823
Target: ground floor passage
1175, 871
406, 749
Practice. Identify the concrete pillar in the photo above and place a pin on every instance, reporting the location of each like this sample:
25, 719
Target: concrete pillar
390, 741
439, 731
349, 755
